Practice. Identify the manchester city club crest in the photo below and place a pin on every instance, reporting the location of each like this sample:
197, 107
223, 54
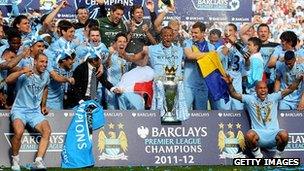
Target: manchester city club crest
111, 146
231, 146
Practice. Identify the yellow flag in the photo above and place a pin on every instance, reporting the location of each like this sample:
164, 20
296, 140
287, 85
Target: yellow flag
208, 62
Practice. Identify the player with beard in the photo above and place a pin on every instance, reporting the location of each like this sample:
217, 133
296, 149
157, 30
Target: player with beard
117, 66
123, 79
141, 30
111, 25
82, 15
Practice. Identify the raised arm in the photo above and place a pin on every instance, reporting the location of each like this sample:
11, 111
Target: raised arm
232, 91
12, 78
14, 61
160, 18
102, 9
158, 21
150, 7
53, 14
60, 78
272, 62
190, 54
150, 37
277, 83
300, 60
136, 57
292, 87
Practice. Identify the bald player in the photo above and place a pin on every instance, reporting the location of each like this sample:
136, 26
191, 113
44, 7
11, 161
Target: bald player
263, 110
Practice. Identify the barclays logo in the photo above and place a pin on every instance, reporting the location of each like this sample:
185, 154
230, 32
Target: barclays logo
113, 114
134, 114
4, 114
239, 19
4, 2
142, 132
291, 115
68, 114
224, 114
295, 142
199, 114
30, 141
217, 5
145, 114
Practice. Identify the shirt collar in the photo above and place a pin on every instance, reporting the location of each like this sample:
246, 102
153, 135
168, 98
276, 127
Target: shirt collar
91, 67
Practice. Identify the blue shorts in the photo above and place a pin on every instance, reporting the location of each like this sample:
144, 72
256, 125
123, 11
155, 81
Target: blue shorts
31, 117
267, 138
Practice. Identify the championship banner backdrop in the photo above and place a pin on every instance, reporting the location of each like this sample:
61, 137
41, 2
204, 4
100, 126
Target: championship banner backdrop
186, 10
59, 122
45, 6
215, 10
136, 138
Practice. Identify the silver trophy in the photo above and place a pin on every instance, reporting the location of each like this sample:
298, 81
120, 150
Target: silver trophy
170, 82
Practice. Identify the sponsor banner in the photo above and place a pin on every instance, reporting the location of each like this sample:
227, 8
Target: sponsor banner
59, 122
30, 141
292, 121
196, 10
215, 10
136, 138
68, 12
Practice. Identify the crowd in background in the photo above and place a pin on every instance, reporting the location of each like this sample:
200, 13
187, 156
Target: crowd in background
281, 16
